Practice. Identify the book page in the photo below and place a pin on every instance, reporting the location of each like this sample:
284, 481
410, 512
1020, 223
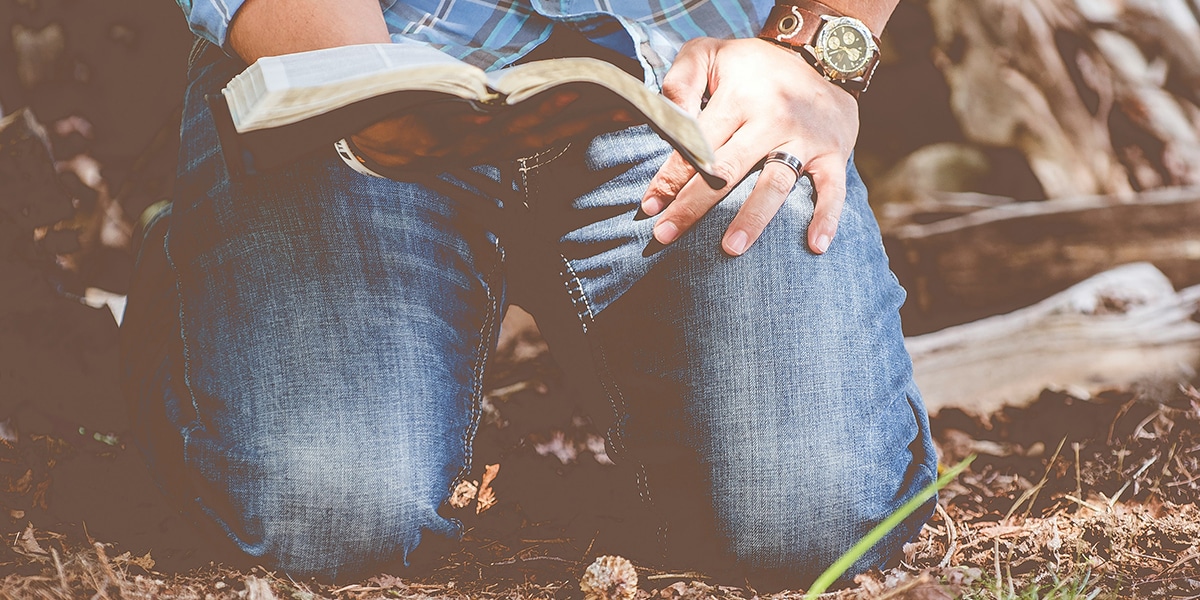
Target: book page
677, 127
280, 90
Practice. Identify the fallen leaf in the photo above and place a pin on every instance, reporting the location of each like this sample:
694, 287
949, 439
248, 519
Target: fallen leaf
39, 494
258, 589
463, 494
486, 498
21, 485
144, 561
27, 545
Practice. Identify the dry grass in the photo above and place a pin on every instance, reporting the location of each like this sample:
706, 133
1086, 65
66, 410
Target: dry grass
1111, 514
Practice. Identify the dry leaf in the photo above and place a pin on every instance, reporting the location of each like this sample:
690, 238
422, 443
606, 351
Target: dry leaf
144, 561
463, 494
39, 494
609, 578
258, 589
386, 581
20, 486
27, 545
486, 498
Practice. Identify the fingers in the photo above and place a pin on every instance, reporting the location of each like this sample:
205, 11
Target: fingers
685, 85
829, 185
718, 126
774, 184
694, 197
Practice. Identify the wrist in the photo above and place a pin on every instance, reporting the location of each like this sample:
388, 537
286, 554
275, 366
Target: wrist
274, 27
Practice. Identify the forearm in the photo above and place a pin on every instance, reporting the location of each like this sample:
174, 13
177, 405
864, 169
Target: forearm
873, 13
273, 27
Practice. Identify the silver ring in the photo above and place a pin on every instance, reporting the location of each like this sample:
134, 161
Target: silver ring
787, 159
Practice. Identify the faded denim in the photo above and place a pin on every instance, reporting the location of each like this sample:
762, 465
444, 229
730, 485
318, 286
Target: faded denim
318, 388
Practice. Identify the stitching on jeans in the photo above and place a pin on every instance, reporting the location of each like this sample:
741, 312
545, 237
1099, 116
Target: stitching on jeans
183, 339
525, 162
482, 351
616, 398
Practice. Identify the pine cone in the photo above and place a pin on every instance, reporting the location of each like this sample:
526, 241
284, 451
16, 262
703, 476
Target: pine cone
609, 578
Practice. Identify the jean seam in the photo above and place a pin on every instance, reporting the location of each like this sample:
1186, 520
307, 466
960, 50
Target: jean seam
535, 158
184, 346
482, 352
616, 398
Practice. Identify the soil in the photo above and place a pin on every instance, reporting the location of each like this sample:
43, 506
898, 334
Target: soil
1103, 487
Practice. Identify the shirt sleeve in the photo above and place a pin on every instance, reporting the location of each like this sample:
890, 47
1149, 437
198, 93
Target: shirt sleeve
210, 19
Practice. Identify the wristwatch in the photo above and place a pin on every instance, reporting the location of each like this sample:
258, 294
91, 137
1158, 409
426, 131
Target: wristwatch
841, 48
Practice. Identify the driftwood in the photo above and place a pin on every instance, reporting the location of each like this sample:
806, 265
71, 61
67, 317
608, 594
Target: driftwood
1115, 329
998, 259
1099, 96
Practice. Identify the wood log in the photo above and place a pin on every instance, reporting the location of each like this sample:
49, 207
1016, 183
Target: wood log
1100, 96
999, 259
1010, 86
1115, 329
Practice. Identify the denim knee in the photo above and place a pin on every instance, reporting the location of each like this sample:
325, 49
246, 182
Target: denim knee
330, 504
823, 494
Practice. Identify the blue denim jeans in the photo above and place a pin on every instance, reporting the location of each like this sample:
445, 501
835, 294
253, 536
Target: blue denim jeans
317, 387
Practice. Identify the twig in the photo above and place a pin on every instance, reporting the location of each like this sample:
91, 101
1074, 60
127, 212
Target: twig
996, 558
1146, 465
1012, 586
684, 575
514, 560
1112, 427
951, 533
1078, 479
1137, 431
587, 552
354, 587
1031, 494
1082, 503
1195, 553
87, 570
109, 576
62, 575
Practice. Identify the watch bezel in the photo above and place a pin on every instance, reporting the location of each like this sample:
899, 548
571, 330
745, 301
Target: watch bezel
829, 24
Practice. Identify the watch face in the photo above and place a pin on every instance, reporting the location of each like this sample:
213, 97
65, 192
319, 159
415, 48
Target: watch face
845, 48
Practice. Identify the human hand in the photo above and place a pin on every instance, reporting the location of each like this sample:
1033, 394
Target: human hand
762, 98
456, 132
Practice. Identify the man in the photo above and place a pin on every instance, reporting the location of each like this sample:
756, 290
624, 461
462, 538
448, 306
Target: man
318, 388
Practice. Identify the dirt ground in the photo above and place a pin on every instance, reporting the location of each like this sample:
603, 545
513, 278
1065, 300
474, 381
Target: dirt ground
1099, 492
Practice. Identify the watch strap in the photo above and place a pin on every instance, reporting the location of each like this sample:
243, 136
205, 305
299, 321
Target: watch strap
796, 23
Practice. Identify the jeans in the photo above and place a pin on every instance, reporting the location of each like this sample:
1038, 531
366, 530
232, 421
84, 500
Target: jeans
311, 376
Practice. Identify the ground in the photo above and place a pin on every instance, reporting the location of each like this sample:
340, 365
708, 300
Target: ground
1095, 494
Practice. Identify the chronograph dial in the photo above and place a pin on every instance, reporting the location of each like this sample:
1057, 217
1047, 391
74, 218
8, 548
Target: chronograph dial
841, 48
844, 47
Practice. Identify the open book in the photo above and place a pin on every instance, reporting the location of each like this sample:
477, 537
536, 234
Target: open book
283, 107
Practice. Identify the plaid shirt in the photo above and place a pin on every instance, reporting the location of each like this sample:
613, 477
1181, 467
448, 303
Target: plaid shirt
493, 33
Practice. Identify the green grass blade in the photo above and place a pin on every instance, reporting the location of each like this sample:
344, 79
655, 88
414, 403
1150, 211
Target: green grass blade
860, 548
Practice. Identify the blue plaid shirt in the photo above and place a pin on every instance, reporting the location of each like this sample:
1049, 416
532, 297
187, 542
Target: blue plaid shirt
493, 33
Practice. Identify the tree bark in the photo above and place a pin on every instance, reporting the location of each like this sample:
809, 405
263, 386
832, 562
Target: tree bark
1115, 329
998, 259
